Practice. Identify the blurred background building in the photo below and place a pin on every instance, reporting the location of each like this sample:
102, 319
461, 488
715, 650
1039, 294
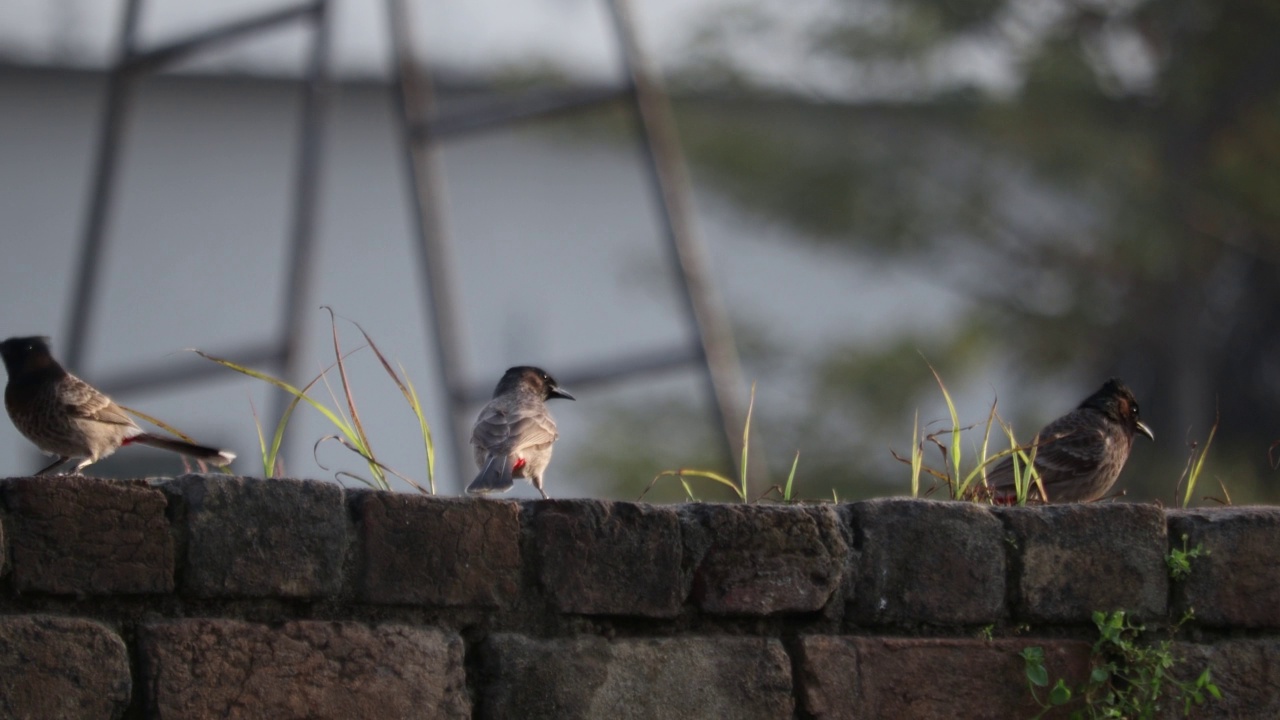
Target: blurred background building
1032, 195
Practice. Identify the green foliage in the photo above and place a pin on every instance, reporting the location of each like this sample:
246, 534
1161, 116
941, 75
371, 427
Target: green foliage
1129, 680
971, 485
1111, 208
1179, 560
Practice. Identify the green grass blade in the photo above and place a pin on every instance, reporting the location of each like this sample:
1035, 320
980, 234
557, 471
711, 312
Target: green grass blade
332, 417
917, 456
1194, 476
955, 428
429, 446
791, 476
746, 442
411, 397
350, 398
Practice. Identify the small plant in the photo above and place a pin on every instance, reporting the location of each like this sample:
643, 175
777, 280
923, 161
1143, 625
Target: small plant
971, 485
1195, 465
351, 432
739, 488
1180, 560
1129, 680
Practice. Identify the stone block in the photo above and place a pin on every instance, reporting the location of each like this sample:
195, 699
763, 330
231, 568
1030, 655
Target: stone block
764, 559
1237, 583
1071, 560
727, 678
85, 536
252, 538
416, 550
609, 558
303, 669
925, 561
852, 678
1247, 671
61, 668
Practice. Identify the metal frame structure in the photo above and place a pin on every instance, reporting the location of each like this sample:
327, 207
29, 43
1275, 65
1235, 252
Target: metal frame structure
423, 130
133, 63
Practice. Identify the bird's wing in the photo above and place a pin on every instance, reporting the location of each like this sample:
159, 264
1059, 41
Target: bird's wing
510, 431
1070, 447
83, 401
505, 432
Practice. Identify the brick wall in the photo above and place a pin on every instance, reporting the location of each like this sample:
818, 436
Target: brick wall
209, 597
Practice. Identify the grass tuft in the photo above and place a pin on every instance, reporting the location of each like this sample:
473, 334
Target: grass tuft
351, 433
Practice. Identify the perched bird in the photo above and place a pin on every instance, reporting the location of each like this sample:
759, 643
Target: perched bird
65, 416
514, 433
1081, 454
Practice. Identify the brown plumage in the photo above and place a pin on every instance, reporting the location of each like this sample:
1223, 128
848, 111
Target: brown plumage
1080, 455
65, 416
514, 433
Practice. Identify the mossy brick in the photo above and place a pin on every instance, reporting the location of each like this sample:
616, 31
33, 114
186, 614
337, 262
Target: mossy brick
62, 668
588, 677
856, 678
1073, 560
609, 558
437, 551
206, 668
926, 561
85, 536
253, 538
1235, 581
764, 559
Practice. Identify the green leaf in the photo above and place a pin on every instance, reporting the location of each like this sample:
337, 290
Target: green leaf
1060, 694
1036, 673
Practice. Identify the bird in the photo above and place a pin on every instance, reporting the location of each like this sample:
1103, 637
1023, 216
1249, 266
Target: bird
513, 434
69, 418
1080, 455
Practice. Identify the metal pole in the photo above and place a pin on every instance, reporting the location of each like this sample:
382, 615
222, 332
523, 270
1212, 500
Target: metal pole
306, 191
94, 237
670, 178
416, 106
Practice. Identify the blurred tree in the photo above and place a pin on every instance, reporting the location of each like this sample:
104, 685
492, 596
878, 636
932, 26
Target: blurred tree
1108, 197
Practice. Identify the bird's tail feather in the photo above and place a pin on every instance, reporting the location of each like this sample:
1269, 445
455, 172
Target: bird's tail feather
495, 477
213, 456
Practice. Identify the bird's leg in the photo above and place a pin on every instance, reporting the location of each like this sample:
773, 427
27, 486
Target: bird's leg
537, 482
84, 464
61, 459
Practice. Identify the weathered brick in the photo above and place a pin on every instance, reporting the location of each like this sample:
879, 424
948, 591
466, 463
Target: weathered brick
308, 669
1246, 671
85, 536
1074, 559
609, 558
764, 559
923, 561
926, 678
1237, 583
445, 552
57, 667
728, 678
247, 537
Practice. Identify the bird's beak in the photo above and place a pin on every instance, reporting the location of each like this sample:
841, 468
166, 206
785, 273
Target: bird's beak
1142, 428
555, 392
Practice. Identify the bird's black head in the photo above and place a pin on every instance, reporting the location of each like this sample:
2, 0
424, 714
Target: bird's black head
1116, 401
533, 379
26, 354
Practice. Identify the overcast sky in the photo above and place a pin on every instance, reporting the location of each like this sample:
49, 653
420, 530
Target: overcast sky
770, 44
